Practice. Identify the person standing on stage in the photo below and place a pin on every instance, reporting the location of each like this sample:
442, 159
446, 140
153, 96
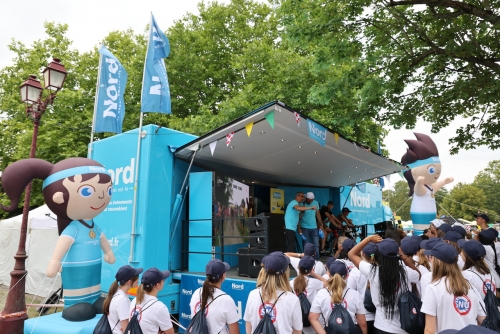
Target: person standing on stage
310, 222
292, 212
330, 223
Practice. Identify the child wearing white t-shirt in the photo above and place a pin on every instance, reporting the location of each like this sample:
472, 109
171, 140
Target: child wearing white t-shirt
219, 308
152, 314
450, 302
337, 292
274, 297
117, 305
307, 282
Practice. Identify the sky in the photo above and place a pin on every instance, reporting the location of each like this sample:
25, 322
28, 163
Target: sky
90, 21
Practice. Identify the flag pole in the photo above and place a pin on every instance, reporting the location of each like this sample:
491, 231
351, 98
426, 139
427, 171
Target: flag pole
96, 101
137, 157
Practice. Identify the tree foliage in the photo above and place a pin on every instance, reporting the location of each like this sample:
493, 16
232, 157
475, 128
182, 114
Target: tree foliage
464, 201
398, 199
488, 180
438, 60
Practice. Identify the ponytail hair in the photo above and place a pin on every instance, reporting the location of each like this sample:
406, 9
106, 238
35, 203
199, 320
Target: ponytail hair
336, 286
141, 291
300, 283
208, 290
111, 293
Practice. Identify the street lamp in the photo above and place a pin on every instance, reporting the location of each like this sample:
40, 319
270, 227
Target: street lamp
13, 316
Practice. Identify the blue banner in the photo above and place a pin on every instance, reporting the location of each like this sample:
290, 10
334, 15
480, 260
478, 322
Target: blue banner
317, 132
110, 105
155, 95
237, 289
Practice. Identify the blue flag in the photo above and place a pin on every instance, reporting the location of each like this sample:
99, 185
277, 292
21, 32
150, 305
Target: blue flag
109, 110
155, 95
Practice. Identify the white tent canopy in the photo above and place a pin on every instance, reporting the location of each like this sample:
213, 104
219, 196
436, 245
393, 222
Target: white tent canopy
40, 243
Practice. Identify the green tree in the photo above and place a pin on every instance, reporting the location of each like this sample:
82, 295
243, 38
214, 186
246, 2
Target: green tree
438, 60
488, 180
464, 201
398, 199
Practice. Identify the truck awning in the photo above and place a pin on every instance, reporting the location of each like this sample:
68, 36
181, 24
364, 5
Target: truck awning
285, 155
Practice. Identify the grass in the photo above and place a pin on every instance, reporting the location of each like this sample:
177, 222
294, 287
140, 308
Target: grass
32, 311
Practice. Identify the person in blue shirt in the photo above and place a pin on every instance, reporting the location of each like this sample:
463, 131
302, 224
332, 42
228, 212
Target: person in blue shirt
292, 212
310, 222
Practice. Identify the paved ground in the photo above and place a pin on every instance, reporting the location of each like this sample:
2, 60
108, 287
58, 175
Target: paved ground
32, 312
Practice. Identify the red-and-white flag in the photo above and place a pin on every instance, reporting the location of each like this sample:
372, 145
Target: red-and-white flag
229, 137
297, 118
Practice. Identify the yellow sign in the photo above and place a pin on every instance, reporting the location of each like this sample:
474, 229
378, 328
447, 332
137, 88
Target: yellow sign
277, 201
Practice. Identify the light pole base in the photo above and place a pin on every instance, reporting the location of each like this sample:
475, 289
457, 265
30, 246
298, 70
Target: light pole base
12, 323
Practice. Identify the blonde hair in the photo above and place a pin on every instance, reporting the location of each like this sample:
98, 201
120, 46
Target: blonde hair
300, 283
423, 260
262, 276
455, 282
272, 282
336, 286
141, 291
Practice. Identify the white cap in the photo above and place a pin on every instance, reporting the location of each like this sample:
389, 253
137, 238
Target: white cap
460, 224
437, 222
310, 195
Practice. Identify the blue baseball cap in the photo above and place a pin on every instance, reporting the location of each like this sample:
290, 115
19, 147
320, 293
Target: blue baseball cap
309, 249
444, 252
452, 236
430, 243
153, 276
418, 239
126, 273
459, 229
388, 248
474, 249
338, 267
445, 228
216, 268
348, 244
409, 246
329, 261
370, 249
276, 263
482, 215
470, 329
307, 263
489, 234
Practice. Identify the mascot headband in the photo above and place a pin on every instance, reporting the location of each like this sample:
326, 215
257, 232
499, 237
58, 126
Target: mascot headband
72, 172
428, 161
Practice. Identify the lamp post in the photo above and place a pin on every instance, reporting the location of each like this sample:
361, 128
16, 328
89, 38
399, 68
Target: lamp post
13, 316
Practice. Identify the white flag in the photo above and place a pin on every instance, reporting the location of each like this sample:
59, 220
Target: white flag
212, 147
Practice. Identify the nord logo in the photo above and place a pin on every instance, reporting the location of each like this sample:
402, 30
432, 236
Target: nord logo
187, 292
200, 282
111, 92
360, 201
127, 173
318, 132
235, 286
185, 316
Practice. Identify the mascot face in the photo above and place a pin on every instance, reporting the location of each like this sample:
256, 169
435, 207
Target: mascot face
430, 172
87, 198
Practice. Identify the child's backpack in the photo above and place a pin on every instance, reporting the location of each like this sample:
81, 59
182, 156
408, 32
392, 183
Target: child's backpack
265, 325
340, 321
198, 324
133, 326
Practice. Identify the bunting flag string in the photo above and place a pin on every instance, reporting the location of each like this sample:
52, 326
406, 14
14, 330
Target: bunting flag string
297, 118
229, 137
270, 119
212, 146
336, 135
249, 128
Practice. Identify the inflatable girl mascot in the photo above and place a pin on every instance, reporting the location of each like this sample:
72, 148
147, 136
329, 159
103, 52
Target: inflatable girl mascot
425, 168
76, 190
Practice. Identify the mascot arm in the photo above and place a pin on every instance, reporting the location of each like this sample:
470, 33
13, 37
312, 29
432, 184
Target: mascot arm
438, 185
419, 188
109, 257
62, 246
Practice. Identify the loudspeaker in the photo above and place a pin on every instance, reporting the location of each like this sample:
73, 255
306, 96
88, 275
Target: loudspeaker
249, 261
257, 223
260, 241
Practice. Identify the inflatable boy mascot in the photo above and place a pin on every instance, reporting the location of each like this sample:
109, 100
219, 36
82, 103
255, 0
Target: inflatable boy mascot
425, 168
76, 190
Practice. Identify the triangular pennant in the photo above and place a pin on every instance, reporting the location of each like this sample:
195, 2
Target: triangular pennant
229, 137
336, 135
388, 177
356, 146
249, 128
212, 146
270, 119
401, 174
297, 118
